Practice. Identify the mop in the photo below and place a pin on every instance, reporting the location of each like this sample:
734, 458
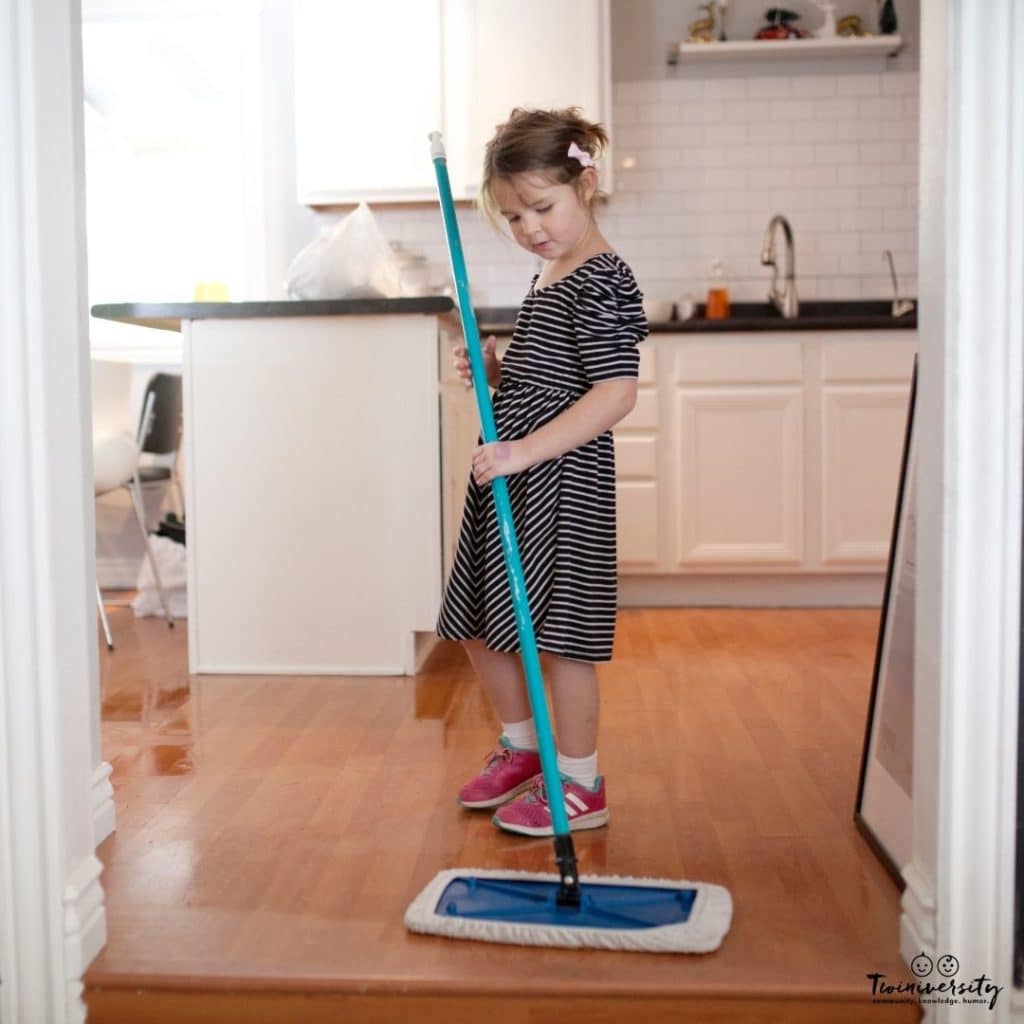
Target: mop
528, 908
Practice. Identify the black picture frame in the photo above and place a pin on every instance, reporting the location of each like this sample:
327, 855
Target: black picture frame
884, 791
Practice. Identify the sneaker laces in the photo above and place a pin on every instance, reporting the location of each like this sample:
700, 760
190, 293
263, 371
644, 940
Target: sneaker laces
537, 794
496, 755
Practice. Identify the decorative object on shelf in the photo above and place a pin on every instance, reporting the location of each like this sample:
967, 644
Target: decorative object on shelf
887, 21
723, 5
703, 29
828, 29
780, 25
851, 26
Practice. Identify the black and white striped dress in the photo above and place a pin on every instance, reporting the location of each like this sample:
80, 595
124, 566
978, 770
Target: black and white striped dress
582, 329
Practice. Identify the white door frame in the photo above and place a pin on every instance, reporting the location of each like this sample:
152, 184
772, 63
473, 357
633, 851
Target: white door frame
52, 915
960, 881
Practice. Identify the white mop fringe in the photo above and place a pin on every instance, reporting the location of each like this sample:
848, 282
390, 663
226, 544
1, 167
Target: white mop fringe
702, 932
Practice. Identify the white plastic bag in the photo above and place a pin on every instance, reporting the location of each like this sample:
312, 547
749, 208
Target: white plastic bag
351, 259
170, 560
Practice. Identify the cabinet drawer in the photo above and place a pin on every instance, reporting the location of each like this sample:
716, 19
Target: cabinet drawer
884, 359
739, 362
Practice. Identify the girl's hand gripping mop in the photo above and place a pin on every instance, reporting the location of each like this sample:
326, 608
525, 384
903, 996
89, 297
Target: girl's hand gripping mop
536, 909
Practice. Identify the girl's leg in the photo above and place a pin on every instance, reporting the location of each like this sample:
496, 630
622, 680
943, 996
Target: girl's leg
501, 676
576, 701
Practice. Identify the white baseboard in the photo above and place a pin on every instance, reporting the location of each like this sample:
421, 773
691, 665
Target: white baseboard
85, 919
918, 926
807, 590
104, 815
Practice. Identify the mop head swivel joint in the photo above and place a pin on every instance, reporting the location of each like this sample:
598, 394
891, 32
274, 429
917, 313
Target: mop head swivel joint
565, 858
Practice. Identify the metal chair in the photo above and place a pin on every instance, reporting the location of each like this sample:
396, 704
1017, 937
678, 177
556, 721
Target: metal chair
159, 433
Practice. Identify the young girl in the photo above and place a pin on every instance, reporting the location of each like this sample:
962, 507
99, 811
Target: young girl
568, 376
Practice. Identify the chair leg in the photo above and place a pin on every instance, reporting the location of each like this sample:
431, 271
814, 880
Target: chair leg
140, 515
103, 619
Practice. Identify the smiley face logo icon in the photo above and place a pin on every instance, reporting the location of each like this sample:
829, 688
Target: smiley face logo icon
921, 965
948, 965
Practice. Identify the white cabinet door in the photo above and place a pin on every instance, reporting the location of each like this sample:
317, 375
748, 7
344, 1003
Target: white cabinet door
739, 489
531, 53
738, 468
367, 93
865, 391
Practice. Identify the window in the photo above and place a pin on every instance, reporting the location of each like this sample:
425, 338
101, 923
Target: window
174, 182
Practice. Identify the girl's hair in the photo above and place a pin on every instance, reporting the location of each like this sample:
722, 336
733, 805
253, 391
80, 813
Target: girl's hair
538, 140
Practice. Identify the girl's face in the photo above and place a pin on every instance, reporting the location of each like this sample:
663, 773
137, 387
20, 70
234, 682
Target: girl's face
546, 218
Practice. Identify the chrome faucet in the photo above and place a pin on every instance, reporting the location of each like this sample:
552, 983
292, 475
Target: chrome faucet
900, 307
784, 300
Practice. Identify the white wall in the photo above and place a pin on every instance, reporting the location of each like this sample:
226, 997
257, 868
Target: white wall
716, 150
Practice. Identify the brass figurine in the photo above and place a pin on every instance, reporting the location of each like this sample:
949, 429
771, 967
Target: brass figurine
703, 29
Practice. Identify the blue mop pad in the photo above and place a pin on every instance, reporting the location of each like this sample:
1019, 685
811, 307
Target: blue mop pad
647, 914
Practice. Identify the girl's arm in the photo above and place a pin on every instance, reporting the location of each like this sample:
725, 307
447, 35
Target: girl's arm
598, 410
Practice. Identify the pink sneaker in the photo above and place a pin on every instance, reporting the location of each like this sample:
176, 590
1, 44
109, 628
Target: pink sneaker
531, 816
507, 772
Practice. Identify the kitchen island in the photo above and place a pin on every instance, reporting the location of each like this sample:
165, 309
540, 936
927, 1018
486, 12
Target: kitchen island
311, 454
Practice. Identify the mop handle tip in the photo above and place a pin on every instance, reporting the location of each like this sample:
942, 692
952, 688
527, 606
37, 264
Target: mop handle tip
436, 145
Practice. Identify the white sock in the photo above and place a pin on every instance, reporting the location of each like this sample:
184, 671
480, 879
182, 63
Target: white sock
521, 735
580, 769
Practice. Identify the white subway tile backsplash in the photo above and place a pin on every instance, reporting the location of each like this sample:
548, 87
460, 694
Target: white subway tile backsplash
813, 175
815, 131
795, 110
701, 112
817, 86
856, 131
836, 110
657, 113
678, 90
900, 83
725, 88
899, 174
894, 220
882, 196
725, 134
859, 174
860, 220
857, 85
712, 160
771, 88
882, 152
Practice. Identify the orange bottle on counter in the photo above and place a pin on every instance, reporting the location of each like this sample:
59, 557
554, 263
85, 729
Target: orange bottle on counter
717, 307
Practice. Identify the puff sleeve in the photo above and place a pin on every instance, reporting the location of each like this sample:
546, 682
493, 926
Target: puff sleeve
609, 324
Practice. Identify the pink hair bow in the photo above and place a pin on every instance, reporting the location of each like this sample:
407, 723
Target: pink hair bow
580, 154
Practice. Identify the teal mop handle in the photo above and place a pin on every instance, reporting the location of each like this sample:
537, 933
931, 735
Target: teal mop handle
517, 583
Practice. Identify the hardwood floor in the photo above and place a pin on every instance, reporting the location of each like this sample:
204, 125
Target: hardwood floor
272, 830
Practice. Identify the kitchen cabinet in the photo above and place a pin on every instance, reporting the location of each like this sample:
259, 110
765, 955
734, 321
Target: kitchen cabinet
756, 468
367, 92
371, 81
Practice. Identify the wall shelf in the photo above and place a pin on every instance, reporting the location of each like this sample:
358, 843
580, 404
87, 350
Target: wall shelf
787, 49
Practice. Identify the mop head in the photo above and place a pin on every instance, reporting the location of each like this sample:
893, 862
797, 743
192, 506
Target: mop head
644, 914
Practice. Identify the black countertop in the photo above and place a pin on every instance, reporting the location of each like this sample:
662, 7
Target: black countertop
842, 315
168, 315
